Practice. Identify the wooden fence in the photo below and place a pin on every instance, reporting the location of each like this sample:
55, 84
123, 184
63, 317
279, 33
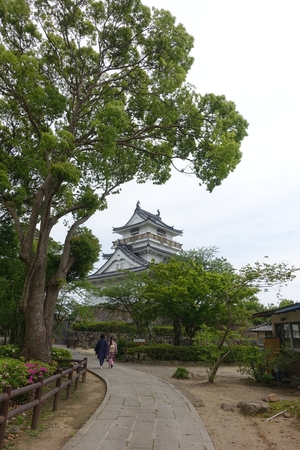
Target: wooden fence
78, 368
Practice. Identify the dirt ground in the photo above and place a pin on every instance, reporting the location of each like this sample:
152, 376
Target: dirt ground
229, 430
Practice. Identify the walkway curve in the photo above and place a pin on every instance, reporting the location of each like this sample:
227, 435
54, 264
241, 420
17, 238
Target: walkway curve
139, 412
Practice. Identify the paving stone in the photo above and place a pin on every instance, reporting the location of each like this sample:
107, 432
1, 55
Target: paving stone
140, 412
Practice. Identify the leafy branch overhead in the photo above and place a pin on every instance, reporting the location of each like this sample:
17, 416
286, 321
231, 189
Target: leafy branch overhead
93, 86
264, 275
93, 94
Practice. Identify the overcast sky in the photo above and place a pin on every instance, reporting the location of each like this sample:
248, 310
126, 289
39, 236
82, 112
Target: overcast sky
248, 51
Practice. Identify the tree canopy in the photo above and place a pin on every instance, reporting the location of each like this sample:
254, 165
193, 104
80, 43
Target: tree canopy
191, 289
93, 94
207, 258
205, 295
129, 294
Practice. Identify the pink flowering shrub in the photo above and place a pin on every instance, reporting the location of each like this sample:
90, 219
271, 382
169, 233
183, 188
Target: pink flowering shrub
36, 370
18, 374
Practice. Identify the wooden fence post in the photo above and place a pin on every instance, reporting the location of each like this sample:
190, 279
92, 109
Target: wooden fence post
4, 411
7, 392
57, 395
70, 385
85, 367
77, 376
37, 408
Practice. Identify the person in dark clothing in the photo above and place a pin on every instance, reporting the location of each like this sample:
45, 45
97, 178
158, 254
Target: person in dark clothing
101, 349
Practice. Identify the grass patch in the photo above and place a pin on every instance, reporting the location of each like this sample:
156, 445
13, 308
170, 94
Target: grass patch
292, 406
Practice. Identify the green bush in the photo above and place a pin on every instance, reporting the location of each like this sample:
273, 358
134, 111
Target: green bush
18, 373
181, 373
267, 378
61, 353
257, 364
163, 330
238, 352
195, 353
131, 344
9, 351
13, 372
121, 343
288, 361
165, 352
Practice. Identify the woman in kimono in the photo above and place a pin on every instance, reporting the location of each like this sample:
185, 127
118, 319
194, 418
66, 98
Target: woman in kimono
112, 351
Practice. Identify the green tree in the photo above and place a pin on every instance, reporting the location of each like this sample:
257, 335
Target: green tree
93, 95
198, 294
192, 296
257, 276
73, 304
13, 274
207, 258
129, 294
75, 301
285, 302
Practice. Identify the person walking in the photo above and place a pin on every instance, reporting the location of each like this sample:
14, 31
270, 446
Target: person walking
112, 351
101, 349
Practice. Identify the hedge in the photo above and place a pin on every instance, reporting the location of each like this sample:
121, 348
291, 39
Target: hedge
121, 327
167, 352
106, 327
163, 330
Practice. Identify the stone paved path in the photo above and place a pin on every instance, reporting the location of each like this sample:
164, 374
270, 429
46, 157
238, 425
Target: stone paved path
140, 412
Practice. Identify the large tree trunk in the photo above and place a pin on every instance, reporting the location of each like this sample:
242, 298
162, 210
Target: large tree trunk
40, 295
177, 332
39, 318
38, 333
39, 299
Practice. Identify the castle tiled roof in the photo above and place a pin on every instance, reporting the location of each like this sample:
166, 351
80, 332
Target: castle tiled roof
102, 273
147, 216
132, 256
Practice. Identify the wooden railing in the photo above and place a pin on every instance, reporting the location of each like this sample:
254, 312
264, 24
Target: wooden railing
77, 369
148, 235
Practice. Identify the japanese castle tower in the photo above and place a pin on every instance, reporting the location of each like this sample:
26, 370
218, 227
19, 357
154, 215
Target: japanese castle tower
145, 237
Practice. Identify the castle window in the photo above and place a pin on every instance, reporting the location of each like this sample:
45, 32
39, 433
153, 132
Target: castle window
134, 231
161, 232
